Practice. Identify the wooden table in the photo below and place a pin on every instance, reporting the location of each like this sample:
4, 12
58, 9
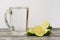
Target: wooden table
16, 36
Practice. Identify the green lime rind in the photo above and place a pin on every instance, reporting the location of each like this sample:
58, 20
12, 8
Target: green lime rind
49, 27
48, 32
30, 34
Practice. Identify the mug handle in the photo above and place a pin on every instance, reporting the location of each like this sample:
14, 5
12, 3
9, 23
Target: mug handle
10, 26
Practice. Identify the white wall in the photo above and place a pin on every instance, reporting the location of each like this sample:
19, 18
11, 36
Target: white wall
4, 4
39, 10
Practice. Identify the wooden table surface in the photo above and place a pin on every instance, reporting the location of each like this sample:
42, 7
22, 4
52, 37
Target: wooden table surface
55, 35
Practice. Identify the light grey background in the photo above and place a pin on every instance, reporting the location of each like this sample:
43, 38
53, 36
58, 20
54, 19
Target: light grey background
40, 10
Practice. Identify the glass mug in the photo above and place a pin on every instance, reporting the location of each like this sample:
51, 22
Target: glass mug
16, 19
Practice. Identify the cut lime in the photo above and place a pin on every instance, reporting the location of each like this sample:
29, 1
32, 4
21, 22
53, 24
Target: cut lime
39, 31
30, 32
46, 25
47, 32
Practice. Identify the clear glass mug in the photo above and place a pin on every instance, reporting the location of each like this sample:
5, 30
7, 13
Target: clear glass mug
16, 19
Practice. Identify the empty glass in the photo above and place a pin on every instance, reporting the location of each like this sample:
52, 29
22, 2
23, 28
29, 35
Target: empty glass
17, 19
